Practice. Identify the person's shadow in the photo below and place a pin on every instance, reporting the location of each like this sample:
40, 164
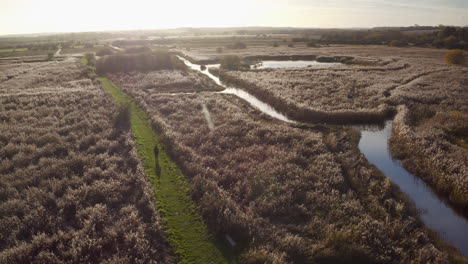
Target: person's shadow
156, 159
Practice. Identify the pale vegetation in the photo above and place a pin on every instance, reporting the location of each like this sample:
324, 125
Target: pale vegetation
285, 194
72, 188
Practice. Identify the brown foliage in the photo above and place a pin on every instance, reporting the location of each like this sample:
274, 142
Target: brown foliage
72, 191
456, 56
281, 193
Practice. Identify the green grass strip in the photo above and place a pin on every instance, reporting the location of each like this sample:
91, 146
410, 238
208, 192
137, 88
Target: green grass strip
185, 228
14, 50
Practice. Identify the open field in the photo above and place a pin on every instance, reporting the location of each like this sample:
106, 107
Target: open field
365, 52
72, 188
149, 163
285, 194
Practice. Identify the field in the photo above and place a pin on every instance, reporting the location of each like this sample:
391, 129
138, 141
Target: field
138, 159
284, 193
72, 188
369, 90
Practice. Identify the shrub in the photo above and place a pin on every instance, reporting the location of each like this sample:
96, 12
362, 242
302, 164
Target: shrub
455, 57
311, 44
420, 113
291, 45
122, 119
90, 59
397, 43
451, 42
219, 49
275, 44
237, 45
233, 62
104, 51
50, 56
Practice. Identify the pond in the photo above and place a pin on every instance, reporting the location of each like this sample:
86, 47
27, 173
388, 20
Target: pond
293, 64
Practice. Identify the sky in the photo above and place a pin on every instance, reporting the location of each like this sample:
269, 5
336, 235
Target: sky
37, 16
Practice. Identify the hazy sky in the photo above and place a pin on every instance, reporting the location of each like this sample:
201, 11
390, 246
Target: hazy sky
31, 16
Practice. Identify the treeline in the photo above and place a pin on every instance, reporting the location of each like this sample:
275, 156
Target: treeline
51, 45
150, 61
446, 37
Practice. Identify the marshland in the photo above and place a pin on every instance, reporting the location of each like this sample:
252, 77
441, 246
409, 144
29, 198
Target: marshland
235, 145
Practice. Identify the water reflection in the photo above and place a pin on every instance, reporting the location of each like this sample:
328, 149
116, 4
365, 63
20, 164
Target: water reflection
255, 102
436, 214
293, 64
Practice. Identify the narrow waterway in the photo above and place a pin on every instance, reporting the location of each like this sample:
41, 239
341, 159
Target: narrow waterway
374, 145
435, 213
254, 101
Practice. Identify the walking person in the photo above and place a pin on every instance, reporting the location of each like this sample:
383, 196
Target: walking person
156, 154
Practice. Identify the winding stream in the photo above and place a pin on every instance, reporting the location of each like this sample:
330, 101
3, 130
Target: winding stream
254, 101
436, 214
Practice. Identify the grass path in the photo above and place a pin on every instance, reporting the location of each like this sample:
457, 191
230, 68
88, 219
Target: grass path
184, 226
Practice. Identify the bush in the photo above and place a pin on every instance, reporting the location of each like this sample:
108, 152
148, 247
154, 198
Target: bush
451, 42
397, 43
219, 49
275, 44
50, 56
90, 59
233, 62
104, 51
420, 113
312, 44
122, 119
455, 57
291, 45
237, 45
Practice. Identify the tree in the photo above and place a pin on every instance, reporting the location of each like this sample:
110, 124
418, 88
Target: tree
446, 32
397, 43
91, 59
104, 51
233, 62
451, 42
312, 44
455, 56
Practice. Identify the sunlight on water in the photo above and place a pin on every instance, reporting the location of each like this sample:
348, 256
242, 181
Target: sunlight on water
436, 214
255, 102
293, 64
